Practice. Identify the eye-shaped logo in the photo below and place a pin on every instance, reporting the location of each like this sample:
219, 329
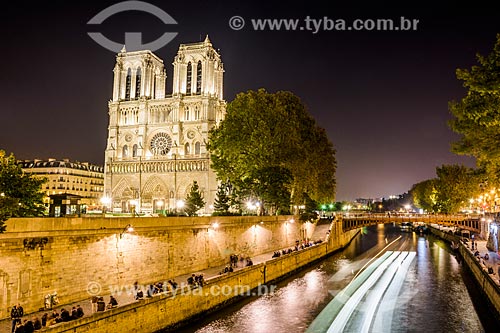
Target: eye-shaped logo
133, 40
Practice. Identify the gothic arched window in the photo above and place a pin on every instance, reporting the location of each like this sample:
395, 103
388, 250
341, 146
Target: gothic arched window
125, 151
138, 83
198, 78
186, 113
153, 91
196, 113
197, 148
134, 151
127, 84
189, 78
186, 149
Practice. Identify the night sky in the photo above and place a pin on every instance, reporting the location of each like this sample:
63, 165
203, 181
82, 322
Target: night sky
381, 95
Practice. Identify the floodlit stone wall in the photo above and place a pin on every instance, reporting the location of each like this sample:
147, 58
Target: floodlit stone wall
169, 310
39, 256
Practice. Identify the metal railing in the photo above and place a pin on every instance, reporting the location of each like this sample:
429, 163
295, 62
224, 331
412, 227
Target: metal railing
356, 220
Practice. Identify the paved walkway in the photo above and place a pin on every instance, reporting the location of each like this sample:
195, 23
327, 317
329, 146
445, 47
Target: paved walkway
126, 298
486, 257
491, 260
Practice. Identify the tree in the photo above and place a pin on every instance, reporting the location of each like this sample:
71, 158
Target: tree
222, 201
309, 213
194, 200
477, 116
455, 185
20, 193
8, 208
271, 185
424, 195
271, 138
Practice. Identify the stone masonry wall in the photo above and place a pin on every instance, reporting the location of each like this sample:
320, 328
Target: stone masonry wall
167, 310
39, 256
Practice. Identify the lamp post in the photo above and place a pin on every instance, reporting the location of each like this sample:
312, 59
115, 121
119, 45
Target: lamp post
105, 201
133, 205
159, 206
254, 207
128, 228
179, 205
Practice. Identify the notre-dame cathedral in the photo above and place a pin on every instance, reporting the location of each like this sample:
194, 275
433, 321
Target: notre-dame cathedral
157, 143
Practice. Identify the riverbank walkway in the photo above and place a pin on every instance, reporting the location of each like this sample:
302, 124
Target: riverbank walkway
125, 297
486, 257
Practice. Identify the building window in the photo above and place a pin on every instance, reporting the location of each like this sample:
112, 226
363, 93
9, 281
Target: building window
186, 149
196, 113
160, 144
198, 78
186, 113
138, 83
153, 91
197, 148
125, 151
134, 151
189, 78
127, 84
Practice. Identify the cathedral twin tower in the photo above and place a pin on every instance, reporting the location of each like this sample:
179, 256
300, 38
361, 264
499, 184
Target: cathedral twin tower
156, 143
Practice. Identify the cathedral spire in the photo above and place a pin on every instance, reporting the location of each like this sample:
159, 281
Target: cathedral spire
123, 49
207, 40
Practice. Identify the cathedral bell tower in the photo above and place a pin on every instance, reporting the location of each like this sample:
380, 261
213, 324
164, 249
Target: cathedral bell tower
198, 70
138, 74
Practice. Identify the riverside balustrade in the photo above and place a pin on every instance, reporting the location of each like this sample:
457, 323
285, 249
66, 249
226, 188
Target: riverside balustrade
466, 222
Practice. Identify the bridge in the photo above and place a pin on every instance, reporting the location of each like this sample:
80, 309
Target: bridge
464, 222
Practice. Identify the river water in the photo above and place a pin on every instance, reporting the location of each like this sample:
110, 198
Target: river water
438, 294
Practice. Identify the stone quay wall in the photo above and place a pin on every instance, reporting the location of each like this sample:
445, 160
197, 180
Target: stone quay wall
489, 287
40, 256
169, 310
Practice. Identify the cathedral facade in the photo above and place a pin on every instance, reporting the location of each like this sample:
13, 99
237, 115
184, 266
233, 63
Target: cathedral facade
157, 143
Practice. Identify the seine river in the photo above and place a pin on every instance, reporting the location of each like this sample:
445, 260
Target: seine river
437, 295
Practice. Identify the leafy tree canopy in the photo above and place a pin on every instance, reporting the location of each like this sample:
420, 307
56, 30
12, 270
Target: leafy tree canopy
477, 116
455, 185
309, 213
424, 195
270, 145
450, 191
20, 193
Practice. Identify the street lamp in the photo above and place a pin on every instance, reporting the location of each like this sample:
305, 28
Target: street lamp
128, 228
105, 201
133, 205
407, 208
253, 207
179, 205
159, 205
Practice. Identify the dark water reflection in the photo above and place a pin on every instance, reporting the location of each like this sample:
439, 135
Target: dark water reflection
434, 296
